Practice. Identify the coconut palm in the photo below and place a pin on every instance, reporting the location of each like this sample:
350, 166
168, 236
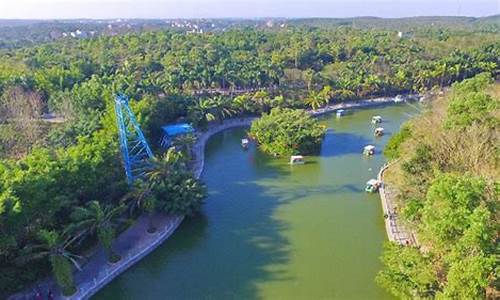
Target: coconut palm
201, 112
314, 100
163, 167
184, 143
222, 108
54, 247
96, 219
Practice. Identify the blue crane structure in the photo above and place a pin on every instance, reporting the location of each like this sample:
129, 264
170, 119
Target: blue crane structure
134, 147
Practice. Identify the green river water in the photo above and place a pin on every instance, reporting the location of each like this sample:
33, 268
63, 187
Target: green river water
270, 230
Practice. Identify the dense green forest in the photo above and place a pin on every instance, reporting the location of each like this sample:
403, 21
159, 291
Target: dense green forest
447, 172
57, 171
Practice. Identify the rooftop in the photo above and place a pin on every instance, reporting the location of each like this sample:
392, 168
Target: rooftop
177, 129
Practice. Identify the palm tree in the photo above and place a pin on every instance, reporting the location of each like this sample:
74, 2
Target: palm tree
54, 247
326, 94
314, 100
222, 108
261, 100
184, 143
243, 103
162, 168
201, 111
95, 219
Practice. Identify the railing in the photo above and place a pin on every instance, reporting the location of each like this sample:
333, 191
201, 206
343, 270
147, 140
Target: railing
89, 287
110, 271
396, 232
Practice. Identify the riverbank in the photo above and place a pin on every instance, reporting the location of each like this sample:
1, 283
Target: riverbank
135, 243
396, 231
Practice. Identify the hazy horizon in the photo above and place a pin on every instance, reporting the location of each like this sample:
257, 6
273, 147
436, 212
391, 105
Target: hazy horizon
242, 9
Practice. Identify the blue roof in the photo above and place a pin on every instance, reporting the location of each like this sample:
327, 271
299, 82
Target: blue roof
176, 129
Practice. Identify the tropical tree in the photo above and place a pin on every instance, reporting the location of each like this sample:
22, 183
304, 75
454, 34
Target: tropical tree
163, 167
54, 247
314, 100
201, 112
184, 143
96, 219
222, 108
172, 186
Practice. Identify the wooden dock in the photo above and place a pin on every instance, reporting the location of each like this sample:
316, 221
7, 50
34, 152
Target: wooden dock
396, 231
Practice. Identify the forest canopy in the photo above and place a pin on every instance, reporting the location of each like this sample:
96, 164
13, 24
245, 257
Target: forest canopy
58, 140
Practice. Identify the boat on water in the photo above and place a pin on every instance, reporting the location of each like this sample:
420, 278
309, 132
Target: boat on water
297, 160
399, 99
244, 143
376, 119
372, 185
379, 131
340, 112
369, 150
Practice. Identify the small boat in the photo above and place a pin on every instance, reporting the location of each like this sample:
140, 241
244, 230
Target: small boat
340, 113
372, 186
379, 131
297, 160
244, 143
369, 150
399, 98
376, 119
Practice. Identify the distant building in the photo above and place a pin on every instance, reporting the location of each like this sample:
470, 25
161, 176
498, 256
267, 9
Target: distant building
270, 23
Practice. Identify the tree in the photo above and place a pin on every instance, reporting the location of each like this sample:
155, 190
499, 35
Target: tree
314, 100
201, 112
408, 274
184, 143
286, 131
21, 111
174, 188
54, 247
222, 107
95, 219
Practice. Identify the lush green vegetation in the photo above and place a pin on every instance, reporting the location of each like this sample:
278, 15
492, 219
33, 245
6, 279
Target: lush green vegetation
61, 181
449, 181
287, 131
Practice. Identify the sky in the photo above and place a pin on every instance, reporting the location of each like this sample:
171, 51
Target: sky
104, 9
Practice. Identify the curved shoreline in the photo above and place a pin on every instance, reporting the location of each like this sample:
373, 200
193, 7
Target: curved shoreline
97, 273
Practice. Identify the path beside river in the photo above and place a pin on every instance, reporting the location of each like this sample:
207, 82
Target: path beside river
135, 243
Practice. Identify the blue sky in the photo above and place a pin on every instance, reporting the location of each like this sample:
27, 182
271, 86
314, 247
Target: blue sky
48, 9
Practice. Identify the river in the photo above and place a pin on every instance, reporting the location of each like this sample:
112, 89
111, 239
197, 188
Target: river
273, 231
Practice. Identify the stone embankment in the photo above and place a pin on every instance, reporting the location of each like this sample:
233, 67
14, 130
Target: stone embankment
135, 243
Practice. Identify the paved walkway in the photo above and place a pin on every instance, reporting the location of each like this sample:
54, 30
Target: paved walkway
394, 226
135, 243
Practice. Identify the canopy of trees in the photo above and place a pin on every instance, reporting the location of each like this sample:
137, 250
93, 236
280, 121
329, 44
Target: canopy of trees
449, 182
58, 148
287, 131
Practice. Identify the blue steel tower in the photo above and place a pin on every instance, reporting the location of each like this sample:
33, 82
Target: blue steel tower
135, 150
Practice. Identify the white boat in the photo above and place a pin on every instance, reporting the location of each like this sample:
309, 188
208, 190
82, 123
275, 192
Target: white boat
372, 185
369, 150
376, 119
379, 131
244, 143
399, 98
340, 113
297, 160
